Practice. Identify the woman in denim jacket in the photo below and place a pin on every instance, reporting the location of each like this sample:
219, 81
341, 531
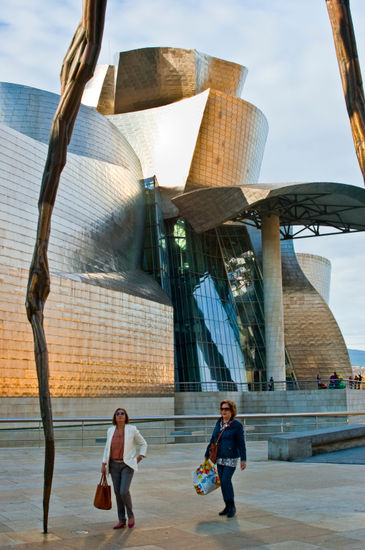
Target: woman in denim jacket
231, 452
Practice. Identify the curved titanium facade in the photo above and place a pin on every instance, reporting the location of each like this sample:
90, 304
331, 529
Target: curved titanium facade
230, 145
313, 205
165, 138
152, 77
99, 92
180, 111
226, 163
312, 337
175, 124
109, 325
318, 272
198, 142
30, 111
97, 223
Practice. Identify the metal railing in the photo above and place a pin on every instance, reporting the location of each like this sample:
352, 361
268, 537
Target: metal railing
90, 431
279, 385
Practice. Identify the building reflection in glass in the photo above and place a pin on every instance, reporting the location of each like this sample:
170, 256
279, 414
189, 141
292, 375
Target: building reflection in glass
215, 284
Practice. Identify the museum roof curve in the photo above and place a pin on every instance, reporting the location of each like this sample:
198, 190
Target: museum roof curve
313, 206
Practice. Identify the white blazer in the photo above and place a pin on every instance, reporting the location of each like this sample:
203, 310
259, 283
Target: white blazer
134, 445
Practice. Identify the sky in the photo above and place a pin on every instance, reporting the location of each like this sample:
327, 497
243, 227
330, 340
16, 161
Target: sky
293, 77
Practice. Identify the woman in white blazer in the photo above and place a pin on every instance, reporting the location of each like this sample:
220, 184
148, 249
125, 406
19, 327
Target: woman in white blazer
124, 449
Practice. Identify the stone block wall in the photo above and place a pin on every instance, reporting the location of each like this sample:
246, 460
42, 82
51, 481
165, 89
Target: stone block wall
68, 434
279, 402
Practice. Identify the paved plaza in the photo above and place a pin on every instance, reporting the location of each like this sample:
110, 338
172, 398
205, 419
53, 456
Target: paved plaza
280, 506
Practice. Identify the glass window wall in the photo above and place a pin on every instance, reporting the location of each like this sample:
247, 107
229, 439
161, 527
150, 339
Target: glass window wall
214, 280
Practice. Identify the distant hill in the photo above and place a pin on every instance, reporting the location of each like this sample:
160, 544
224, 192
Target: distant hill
357, 357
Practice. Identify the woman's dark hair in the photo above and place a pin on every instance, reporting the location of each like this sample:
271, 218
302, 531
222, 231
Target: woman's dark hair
231, 405
126, 416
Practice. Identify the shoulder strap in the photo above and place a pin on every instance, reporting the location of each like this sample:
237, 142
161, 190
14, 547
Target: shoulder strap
221, 432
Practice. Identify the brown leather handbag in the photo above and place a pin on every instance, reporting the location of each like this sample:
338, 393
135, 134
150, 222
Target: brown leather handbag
213, 447
103, 497
213, 450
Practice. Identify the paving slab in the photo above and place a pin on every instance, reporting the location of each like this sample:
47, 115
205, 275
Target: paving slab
280, 505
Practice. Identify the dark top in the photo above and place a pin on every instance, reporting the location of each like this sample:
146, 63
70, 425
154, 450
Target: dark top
231, 444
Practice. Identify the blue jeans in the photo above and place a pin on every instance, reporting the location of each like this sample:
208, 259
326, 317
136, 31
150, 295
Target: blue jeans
122, 477
225, 475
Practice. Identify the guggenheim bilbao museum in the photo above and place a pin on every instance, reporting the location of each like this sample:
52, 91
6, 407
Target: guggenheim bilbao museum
173, 269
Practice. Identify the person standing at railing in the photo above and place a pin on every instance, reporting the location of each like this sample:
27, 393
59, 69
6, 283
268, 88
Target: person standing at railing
333, 380
124, 449
320, 385
231, 451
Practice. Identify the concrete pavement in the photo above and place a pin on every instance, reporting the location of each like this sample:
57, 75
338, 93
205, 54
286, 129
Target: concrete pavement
280, 505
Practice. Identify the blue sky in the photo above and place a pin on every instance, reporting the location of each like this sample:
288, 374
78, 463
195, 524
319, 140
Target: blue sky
293, 78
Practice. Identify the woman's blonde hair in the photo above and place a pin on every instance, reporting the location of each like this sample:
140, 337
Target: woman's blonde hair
231, 405
126, 416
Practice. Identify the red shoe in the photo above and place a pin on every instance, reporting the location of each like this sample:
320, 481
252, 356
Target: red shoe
131, 523
119, 525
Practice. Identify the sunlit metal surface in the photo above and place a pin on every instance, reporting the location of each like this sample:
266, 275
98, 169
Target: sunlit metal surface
109, 325
318, 272
209, 140
151, 77
226, 162
231, 143
165, 138
102, 343
312, 337
311, 206
30, 111
176, 124
99, 92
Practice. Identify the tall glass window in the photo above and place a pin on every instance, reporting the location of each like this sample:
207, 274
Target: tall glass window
208, 351
245, 279
214, 280
155, 259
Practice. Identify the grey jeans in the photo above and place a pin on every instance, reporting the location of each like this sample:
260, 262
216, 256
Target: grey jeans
122, 478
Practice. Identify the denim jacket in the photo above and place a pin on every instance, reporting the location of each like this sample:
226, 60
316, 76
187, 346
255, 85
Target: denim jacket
232, 442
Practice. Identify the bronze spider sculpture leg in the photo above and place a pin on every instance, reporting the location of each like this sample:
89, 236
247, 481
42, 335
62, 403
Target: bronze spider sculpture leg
78, 67
345, 44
